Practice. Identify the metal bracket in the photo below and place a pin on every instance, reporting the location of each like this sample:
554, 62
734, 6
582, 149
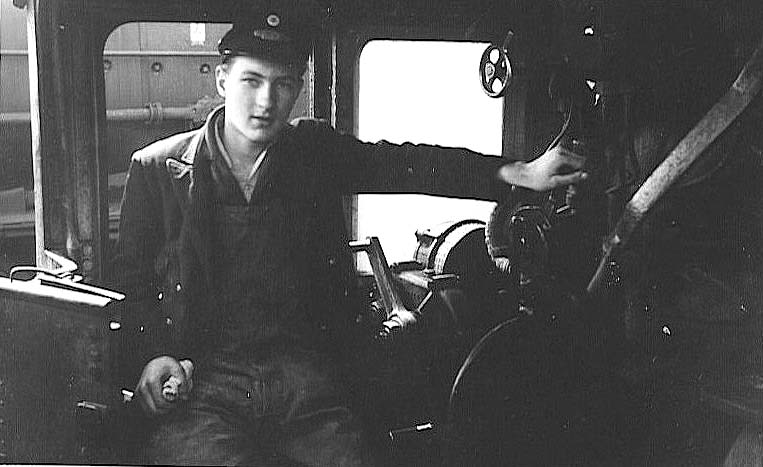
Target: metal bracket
63, 277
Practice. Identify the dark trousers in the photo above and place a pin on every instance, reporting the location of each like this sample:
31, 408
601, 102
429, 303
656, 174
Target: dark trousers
285, 409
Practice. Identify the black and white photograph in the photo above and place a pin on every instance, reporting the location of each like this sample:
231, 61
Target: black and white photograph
371, 233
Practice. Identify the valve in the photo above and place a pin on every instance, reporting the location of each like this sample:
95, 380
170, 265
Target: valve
495, 68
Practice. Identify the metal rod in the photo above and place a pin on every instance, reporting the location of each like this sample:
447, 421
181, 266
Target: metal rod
131, 53
34, 108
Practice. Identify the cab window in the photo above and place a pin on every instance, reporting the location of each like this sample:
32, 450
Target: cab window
421, 92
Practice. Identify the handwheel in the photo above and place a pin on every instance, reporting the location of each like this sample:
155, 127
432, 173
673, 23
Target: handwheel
495, 71
516, 237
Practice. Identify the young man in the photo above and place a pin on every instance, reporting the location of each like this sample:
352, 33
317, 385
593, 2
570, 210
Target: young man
240, 226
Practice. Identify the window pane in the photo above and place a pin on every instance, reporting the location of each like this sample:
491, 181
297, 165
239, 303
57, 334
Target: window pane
422, 92
16, 180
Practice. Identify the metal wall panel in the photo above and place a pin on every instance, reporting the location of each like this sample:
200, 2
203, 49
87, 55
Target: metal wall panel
53, 357
176, 36
179, 83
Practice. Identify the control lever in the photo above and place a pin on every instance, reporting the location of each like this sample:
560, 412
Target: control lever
398, 317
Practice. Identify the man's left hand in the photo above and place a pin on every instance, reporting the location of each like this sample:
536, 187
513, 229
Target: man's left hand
555, 168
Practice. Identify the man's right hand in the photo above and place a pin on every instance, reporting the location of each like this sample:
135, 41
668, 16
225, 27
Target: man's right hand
155, 374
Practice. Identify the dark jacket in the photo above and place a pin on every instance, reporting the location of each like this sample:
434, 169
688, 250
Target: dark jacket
166, 248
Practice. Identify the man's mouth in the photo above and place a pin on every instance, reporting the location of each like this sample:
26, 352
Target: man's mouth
262, 120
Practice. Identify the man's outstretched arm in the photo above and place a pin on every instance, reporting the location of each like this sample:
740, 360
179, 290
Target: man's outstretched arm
383, 167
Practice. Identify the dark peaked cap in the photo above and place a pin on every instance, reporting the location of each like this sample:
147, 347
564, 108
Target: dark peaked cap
281, 31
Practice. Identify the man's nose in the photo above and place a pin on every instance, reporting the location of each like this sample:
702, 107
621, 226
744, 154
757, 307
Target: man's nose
266, 97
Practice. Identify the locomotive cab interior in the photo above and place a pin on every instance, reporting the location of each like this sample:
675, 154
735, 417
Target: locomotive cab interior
619, 323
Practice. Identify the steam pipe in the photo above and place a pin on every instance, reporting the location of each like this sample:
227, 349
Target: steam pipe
131, 53
152, 113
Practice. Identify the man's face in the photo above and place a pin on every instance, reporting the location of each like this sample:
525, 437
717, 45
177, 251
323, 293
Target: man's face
259, 95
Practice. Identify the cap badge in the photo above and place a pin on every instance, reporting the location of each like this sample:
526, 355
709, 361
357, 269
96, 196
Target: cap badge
273, 20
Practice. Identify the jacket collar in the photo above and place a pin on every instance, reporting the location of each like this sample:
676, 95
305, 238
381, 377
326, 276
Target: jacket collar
192, 153
191, 181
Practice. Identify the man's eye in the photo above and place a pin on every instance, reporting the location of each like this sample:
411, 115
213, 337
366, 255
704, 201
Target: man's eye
286, 86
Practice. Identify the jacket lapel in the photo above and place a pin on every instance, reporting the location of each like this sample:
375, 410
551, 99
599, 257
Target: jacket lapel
192, 185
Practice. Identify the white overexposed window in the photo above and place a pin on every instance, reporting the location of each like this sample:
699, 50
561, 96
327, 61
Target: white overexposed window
422, 92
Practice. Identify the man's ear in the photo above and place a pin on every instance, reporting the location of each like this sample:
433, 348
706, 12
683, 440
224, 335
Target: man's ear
221, 75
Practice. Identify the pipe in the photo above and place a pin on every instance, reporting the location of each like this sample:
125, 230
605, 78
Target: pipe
131, 53
152, 113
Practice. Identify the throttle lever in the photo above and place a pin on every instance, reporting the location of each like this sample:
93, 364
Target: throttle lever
398, 317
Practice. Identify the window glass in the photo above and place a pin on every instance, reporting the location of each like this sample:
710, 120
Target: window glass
422, 92
16, 180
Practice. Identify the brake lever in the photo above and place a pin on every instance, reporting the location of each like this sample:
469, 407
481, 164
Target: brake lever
398, 317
